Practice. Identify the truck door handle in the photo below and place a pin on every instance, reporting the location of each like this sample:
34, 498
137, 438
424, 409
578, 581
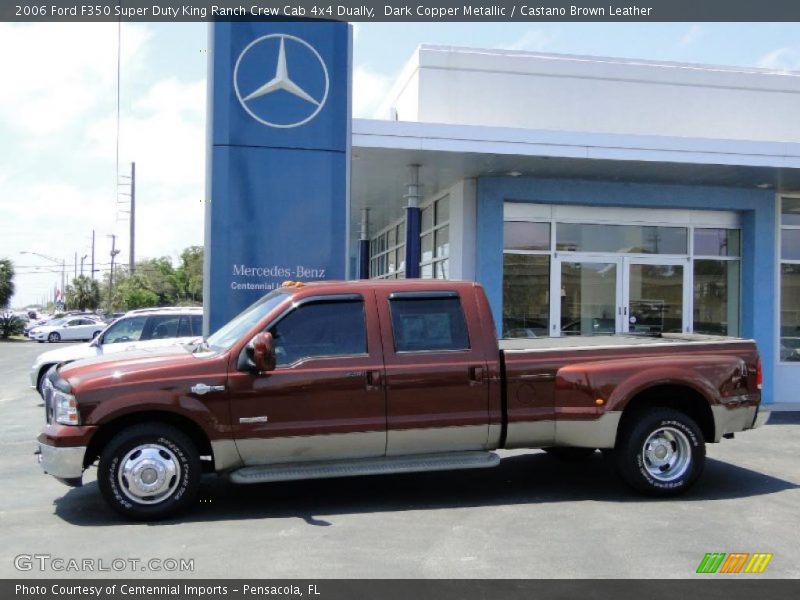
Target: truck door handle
373, 380
475, 375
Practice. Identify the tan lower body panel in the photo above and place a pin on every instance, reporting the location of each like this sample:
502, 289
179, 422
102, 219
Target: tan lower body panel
596, 433
335, 446
342, 446
731, 420
439, 439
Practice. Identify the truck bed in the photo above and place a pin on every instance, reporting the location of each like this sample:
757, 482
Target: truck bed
577, 342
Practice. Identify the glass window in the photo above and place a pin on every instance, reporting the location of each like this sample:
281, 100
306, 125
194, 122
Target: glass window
790, 211
443, 242
526, 296
588, 298
426, 271
442, 269
790, 313
716, 297
161, 327
427, 247
426, 219
197, 324
633, 239
526, 236
717, 242
421, 324
125, 330
442, 210
321, 329
790, 244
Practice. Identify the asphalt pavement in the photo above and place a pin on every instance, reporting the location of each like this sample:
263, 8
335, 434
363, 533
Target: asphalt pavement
531, 517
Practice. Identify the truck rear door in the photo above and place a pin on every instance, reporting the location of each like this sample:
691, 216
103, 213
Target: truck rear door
437, 389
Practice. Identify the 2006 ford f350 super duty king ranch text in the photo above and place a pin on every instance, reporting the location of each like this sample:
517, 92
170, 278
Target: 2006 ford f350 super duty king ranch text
371, 377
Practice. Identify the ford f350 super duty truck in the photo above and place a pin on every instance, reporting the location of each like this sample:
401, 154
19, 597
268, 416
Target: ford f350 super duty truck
370, 377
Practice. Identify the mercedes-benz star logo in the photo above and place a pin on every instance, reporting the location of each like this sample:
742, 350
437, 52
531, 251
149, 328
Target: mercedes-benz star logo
282, 80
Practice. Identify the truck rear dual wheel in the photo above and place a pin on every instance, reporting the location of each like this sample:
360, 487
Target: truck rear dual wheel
149, 471
661, 452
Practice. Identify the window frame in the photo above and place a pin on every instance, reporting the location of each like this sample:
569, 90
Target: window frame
779, 276
435, 260
379, 254
432, 295
331, 299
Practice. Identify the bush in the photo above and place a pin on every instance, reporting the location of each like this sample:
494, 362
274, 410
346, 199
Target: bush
10, 324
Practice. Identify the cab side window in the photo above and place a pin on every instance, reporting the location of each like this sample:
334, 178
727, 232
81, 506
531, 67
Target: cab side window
125, 330
423, 323
321, 329
161, 327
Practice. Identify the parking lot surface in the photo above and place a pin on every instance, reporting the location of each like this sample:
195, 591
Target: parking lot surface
530, 517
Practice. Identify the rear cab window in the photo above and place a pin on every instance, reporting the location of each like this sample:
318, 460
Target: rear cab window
428, 322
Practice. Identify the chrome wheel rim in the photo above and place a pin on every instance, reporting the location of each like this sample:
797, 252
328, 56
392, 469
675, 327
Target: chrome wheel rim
667, 454
149, 474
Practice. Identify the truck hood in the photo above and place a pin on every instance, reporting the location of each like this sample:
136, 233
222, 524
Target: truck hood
130, 368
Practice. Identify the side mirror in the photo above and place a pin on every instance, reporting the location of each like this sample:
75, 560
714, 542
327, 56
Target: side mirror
264, 352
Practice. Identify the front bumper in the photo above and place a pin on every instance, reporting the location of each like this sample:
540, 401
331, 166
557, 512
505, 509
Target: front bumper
65, 464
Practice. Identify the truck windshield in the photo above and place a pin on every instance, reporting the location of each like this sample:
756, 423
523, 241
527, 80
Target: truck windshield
234, 329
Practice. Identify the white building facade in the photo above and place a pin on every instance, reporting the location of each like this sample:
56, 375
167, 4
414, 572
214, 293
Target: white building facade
592, 195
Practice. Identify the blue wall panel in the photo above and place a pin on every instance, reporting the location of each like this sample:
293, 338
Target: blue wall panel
757, 208
279, 155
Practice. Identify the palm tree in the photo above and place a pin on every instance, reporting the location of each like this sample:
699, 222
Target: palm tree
6, 281
84, 293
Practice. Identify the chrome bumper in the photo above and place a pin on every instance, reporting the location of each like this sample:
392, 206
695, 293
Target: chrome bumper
65, 464
34, 375
761, 418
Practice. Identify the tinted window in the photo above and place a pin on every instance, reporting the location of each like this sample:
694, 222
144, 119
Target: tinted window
161, 327
428, 324
184, 327
125, 330
321, 329
197, 324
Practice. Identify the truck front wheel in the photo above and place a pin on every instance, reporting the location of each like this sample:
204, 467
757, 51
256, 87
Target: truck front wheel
149, 471
660, 452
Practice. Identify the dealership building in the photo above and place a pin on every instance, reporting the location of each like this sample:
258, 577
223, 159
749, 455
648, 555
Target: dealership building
591, 195
588, 195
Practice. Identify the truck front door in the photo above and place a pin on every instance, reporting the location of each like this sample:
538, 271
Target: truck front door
325, 399
436, 375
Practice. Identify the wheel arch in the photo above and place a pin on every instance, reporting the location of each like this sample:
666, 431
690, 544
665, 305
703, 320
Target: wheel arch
678, 396
191, 428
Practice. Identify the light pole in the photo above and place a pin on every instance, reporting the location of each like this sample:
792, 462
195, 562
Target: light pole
58, 261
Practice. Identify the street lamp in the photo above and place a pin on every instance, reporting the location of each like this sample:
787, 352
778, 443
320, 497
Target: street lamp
58, 261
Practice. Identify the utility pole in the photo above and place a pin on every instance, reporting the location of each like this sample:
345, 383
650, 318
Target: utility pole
131, 259
83, 258
92, 253
76, 266
114, 252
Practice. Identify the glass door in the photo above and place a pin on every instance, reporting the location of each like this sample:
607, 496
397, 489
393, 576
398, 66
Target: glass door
657, 298
589, 289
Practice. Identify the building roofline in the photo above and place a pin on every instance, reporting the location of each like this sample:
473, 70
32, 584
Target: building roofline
478, 139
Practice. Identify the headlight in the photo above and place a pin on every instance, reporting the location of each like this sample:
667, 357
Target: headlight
65, 408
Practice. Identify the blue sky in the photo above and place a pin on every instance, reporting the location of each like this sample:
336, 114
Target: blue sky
58, 117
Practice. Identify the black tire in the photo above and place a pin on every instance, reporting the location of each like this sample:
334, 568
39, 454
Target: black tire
672, 437
40, 379
53, 338
172, 447
570, 454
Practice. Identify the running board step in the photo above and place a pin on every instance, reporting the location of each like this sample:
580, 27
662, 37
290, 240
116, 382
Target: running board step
366, 466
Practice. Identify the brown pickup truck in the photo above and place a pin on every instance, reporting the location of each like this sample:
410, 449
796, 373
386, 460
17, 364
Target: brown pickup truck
370, 377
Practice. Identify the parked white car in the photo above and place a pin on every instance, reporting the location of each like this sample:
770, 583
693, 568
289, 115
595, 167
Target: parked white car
136, 330
68, 329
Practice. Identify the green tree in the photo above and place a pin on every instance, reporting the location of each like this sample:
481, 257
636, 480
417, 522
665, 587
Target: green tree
6, 281
84, 293
10, 324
